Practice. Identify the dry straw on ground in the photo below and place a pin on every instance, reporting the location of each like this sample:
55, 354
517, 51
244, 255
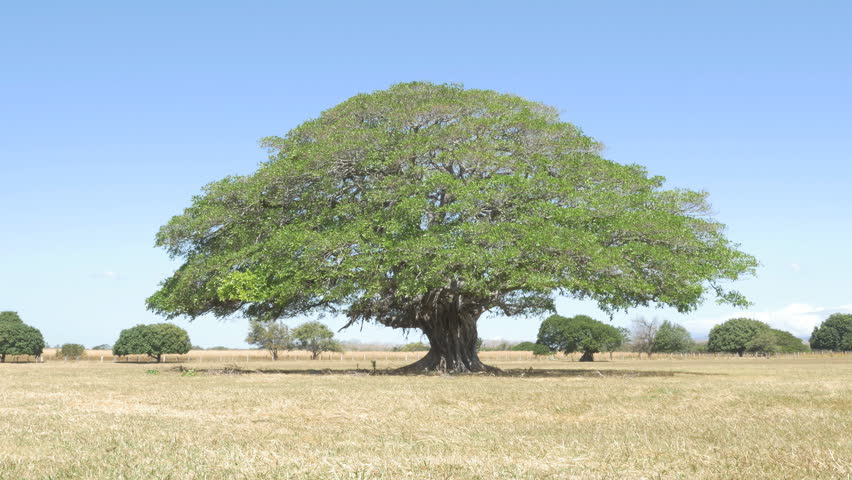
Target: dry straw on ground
710, 419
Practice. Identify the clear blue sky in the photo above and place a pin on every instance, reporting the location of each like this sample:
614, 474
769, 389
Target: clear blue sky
112, 115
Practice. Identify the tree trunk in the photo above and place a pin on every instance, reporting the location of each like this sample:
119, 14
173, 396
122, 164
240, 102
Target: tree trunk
2, 358
588, 357
452, 344
274, 355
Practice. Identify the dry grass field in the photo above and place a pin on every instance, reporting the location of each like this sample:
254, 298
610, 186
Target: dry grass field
726, 418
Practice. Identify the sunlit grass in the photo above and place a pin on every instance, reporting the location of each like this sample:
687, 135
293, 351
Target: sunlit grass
717, 419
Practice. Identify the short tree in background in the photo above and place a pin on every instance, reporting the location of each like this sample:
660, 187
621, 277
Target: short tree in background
645, 335
535, 348
835, 333
425, 206
103, 346
672, 338
734, 335
272, 336
153, 340
788, 343
316, 338
763, 342
17, 338
577, 334
10, 316
71, 350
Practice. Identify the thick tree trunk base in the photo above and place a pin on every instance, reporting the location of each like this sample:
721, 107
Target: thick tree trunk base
436, 363
587, 357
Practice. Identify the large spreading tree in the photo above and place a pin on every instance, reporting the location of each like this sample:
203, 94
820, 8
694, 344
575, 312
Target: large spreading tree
424, 206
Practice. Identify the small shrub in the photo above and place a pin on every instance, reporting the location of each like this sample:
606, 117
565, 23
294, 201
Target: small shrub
71, 350
535, 348
152, 371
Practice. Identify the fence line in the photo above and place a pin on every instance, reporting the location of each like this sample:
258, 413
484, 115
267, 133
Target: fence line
248, 356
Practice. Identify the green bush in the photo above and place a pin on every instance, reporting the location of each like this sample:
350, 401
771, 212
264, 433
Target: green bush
71, 350
535, 348
153, 340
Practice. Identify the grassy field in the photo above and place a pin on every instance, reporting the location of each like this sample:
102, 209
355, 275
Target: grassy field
626, 419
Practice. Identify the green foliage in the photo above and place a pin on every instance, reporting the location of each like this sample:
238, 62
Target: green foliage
273, 336
412, 347
189, 372
403, 200
835, 333
788, 343
764, 341
735, 334
102, 346
17, 338
316, 338
71, 350
152, 371
578, 334
672, 338
9, 316
153, 340
536, 348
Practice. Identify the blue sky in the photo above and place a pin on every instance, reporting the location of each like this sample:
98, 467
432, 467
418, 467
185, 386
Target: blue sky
112, 116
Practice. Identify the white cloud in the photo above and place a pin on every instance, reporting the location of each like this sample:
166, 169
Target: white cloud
796, 318
795, 267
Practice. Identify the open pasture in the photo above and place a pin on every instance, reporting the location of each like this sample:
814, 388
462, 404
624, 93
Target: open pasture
708, 418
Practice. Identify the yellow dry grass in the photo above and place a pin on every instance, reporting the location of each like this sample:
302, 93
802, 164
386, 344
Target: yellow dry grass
782, 418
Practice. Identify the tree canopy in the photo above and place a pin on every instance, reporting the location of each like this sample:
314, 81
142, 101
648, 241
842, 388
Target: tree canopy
672, 338
735, 334
788, 343
271, 336
316, 338
10, 316
835, 333
424, 206
578, 334
153, 340
17, 338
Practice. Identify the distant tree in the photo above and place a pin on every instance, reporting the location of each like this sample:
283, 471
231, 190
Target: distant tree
218, 348
764, 342
734, 335
622, 340
272, 336
577, 334
154, 340
788, 343
835, 333
316, 338
535, 348
645, 335
102, 346
72, 350
10, 316
672, 338
17, 338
